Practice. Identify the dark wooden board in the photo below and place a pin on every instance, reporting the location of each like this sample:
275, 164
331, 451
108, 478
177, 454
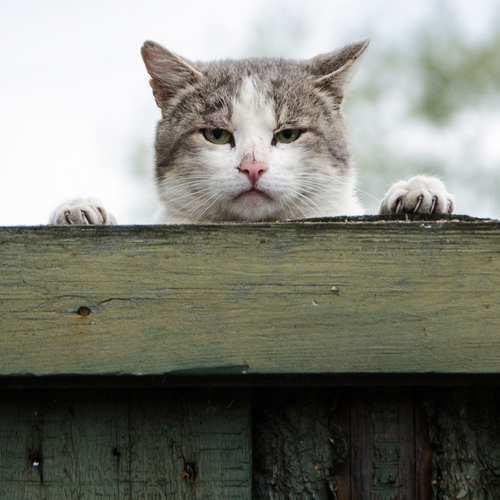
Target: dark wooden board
321, 443
161, 444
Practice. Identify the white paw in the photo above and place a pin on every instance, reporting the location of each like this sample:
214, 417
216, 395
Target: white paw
421, 194
82, 211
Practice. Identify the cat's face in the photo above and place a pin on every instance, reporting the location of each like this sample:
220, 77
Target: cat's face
252, 140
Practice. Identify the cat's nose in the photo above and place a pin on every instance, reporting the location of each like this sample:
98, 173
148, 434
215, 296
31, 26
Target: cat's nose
253, 170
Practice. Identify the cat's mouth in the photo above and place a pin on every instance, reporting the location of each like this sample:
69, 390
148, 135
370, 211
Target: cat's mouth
253, 194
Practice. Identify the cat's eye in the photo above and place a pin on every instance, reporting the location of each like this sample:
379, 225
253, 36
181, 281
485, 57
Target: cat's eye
287, 136
217, 135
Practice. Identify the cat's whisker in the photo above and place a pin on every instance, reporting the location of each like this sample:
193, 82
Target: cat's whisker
147, 192
291, 206
211, 204
321, 187
189, 176
177, 182
334, 184
192, 194
203, 212
368, 194
326, 192
307, 200
337, 186
328, 181
320, 191
296, 205
328, 177
190, 183
189, 206
206, 199
174, 201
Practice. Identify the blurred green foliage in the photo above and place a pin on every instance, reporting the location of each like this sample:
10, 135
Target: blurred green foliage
455, 75
423, 106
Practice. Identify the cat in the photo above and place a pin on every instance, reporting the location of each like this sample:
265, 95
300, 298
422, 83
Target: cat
258, 139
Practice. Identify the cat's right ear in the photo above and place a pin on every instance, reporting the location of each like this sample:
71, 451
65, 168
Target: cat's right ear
169, 72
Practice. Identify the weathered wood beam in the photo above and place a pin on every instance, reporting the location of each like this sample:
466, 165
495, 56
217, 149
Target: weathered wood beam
360, 296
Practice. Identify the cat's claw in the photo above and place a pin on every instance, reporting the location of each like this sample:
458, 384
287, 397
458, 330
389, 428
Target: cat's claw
81, 212
421, 194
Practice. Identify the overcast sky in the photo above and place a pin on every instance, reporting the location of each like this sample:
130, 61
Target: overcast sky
75, 104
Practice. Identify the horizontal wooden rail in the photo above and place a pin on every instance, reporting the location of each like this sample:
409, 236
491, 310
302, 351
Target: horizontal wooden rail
357, 295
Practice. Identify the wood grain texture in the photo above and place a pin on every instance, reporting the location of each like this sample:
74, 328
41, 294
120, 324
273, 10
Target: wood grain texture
411, 297
424, 452
464, 427
119, 445
298, 446
383, 445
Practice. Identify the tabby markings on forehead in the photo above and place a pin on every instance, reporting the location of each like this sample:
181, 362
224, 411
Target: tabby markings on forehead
217, 120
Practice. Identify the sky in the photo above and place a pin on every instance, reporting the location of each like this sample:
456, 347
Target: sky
77, 117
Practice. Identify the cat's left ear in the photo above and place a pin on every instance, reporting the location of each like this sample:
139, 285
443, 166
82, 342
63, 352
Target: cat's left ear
169, 72
337, 68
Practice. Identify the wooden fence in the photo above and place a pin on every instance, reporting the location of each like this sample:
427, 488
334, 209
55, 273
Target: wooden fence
330, 359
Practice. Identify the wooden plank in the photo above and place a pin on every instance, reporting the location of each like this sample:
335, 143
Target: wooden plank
341, 417
156, 444
412, 297
382, 445
423, 449
297, 444
19, 450
361, 455
205, 451
57, 445
464, 432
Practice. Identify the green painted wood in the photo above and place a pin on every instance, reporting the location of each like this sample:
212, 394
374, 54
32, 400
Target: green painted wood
119, 445
196, 443
205, 453
408, 297
60, 446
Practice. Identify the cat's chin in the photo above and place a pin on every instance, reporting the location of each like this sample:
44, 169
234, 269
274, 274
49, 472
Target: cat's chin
253, 204
253, 196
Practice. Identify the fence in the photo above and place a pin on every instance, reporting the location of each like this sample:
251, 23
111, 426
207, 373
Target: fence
347, 358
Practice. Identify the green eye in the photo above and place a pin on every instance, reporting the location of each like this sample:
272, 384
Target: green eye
217, 135
287, 136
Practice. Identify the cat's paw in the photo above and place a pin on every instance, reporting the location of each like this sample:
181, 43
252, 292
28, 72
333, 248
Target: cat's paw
82, 211
421, 194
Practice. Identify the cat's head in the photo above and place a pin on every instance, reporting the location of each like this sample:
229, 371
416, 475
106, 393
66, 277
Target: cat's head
257, 139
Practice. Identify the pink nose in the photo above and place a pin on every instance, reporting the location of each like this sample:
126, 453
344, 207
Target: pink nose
253, 170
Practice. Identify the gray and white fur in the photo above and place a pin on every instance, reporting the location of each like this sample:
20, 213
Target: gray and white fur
258, 139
